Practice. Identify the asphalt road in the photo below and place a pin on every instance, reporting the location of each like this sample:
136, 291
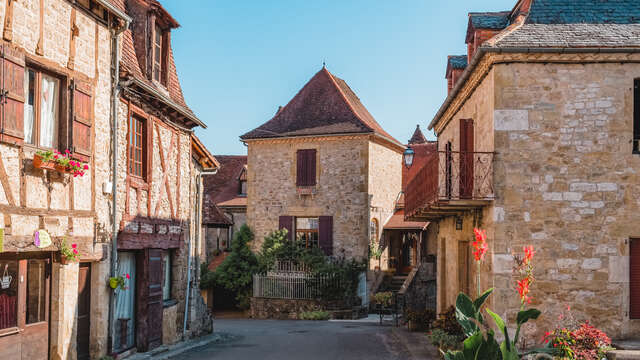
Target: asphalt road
304, 340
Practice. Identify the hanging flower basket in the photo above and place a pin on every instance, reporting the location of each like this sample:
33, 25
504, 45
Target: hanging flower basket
116, 282
68, 254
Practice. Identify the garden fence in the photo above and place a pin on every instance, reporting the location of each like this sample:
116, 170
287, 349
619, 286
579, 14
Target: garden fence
291, 285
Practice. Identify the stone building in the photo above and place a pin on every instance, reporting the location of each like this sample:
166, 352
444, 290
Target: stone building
159, 191
538, 144
323, 169
57, 85
225, 202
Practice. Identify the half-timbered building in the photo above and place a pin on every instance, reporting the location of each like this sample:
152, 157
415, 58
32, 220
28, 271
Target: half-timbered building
159, 156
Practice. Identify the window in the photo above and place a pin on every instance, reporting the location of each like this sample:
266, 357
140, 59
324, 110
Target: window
157, 54
8, 294
307, 231
374, 231
166, 283
36, 291
41, 108
137, 147
636, 116
243, 187
306, 167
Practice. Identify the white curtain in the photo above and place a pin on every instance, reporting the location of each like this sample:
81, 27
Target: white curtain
28, 106
49, 111
125, 302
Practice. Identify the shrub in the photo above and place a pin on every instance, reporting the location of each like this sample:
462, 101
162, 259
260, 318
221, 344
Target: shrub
444, 341
448, 323
383, 298
421, 319
236, 271
315, 315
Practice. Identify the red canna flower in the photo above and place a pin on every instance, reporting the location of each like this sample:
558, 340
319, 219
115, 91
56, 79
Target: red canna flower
528, 253
480, 244
523, 289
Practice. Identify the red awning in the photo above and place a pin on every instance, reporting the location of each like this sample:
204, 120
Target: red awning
397, 222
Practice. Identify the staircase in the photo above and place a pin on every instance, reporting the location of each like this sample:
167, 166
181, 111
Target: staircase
396, 282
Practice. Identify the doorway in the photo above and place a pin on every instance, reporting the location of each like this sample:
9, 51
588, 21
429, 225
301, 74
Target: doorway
125, 317
25, 285
84, 311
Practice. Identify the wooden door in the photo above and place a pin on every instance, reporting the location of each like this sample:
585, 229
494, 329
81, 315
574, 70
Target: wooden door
84, 310
466, 158
24, 308
150, 304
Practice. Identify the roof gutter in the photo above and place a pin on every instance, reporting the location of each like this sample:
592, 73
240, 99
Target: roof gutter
290, 137
117, 12
148, 88
538, 50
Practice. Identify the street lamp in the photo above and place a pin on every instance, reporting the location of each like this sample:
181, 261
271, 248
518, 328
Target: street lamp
408, 157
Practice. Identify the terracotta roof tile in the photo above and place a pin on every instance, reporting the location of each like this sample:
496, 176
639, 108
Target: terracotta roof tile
326, 105
221, 189
397, 222
418, 137
212, 215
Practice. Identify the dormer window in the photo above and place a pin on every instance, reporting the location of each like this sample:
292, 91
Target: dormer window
242, 182
160, 45
243, 187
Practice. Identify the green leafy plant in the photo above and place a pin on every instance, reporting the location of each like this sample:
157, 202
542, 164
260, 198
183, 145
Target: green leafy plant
235, 273
448, 323
375, 252
384, 298
315, 315
445, 341
45, 155
480, 342
420, 319
64, 161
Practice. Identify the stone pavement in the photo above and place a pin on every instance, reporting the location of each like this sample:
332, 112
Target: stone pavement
311, 340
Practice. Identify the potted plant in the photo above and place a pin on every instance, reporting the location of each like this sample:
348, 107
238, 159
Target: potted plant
68, 254
119, 281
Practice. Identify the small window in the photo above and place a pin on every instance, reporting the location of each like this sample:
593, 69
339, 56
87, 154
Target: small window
306, 167
137, 146
243, 187
307, 231
636, 116
374, 231
166, 283
157, 54
41, 109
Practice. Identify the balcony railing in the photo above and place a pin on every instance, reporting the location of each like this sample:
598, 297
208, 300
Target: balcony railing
450, 178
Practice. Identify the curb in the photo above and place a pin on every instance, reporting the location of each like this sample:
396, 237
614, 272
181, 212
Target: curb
166, 352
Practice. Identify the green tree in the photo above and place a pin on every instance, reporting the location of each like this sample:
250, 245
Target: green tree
236, 271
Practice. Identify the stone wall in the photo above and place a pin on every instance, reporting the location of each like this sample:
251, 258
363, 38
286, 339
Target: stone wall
568, 185
281, 309
342, 175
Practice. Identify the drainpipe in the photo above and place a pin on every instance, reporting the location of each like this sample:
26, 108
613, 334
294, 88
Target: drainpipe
115, 93
198, 234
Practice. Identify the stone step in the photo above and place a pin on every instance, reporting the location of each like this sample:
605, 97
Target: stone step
623, 355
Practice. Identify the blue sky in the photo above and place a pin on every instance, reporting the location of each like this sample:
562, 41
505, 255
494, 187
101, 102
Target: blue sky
239, 60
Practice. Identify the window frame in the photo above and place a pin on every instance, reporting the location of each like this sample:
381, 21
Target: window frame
143, 146
307, 232
62, 96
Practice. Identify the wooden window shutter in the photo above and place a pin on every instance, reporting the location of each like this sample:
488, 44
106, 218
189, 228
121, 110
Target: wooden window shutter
325, 234
286, 222
636, 115
634, 279
82, 118
12, 118
306, 167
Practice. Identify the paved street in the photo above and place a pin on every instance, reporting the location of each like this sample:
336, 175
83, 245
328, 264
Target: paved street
307, 340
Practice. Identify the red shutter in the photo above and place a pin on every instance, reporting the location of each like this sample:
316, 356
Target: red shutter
286, 222
306, 167
150, 305
325, 234
12, 119
82, 118
634, 279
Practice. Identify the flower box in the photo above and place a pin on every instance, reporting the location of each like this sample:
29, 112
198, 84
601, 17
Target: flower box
39, 164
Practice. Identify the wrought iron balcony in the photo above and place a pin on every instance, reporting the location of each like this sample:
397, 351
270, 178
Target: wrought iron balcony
450, 182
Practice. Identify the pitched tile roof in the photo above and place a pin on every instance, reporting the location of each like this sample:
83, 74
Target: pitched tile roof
584, 11
222, 188
418, 137
326, 105
130, 65
212, 215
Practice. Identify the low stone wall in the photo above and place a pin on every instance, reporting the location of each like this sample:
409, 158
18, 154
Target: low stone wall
282, 309
421, 294
290, 309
